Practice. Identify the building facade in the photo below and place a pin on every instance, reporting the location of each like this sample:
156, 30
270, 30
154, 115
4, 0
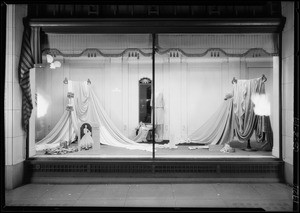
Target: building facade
59, 21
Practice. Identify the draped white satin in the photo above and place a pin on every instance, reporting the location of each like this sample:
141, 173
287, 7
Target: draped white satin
216, 130
245, 120
87, 108
235, 117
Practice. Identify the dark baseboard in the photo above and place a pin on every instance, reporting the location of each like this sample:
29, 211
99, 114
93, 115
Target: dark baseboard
133, 171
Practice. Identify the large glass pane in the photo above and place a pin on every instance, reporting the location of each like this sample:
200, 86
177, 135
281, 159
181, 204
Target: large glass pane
97, 102
200, 112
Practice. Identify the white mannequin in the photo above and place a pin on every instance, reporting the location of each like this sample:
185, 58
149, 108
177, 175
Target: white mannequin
159, 116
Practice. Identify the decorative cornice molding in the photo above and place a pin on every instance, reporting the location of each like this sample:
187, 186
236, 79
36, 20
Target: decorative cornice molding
214, 52
218, 52
93, 52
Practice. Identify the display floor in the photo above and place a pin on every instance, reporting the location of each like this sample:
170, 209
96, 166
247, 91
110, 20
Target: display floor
183, 151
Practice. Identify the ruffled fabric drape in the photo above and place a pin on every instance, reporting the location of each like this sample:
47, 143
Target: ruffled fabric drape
87, 108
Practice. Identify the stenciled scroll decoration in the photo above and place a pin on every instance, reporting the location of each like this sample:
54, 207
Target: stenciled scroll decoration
172, 52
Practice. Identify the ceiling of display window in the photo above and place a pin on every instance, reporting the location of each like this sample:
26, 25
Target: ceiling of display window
158, 9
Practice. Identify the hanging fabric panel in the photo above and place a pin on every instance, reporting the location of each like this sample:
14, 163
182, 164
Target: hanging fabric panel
26, 62
35, 41
243, 107
30, 55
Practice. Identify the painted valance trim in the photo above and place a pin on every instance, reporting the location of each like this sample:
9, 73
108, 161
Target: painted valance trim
213, 52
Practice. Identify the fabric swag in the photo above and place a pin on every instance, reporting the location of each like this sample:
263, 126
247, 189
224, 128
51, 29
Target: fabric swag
28, 58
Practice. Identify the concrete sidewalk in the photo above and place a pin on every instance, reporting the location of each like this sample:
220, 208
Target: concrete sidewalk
269, 196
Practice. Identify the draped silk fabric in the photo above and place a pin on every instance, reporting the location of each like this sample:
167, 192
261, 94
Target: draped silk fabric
86, 141
236, 117
245, 120
26, 62
218, 129
87, 108
264, 133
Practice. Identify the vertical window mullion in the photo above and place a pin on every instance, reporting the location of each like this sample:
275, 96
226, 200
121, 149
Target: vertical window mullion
153, 96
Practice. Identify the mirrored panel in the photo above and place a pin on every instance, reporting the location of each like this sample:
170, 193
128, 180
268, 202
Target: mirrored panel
145, 92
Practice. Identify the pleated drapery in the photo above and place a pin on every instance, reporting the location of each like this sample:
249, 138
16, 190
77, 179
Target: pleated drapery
35, 41
30, 55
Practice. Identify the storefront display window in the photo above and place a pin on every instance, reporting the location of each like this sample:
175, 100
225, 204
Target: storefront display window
208, 96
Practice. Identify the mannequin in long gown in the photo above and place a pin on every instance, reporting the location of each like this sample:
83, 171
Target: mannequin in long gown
159, 117
86, 142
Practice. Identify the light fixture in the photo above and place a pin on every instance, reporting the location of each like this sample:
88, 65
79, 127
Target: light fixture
53, 64
262, 105
42, 105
